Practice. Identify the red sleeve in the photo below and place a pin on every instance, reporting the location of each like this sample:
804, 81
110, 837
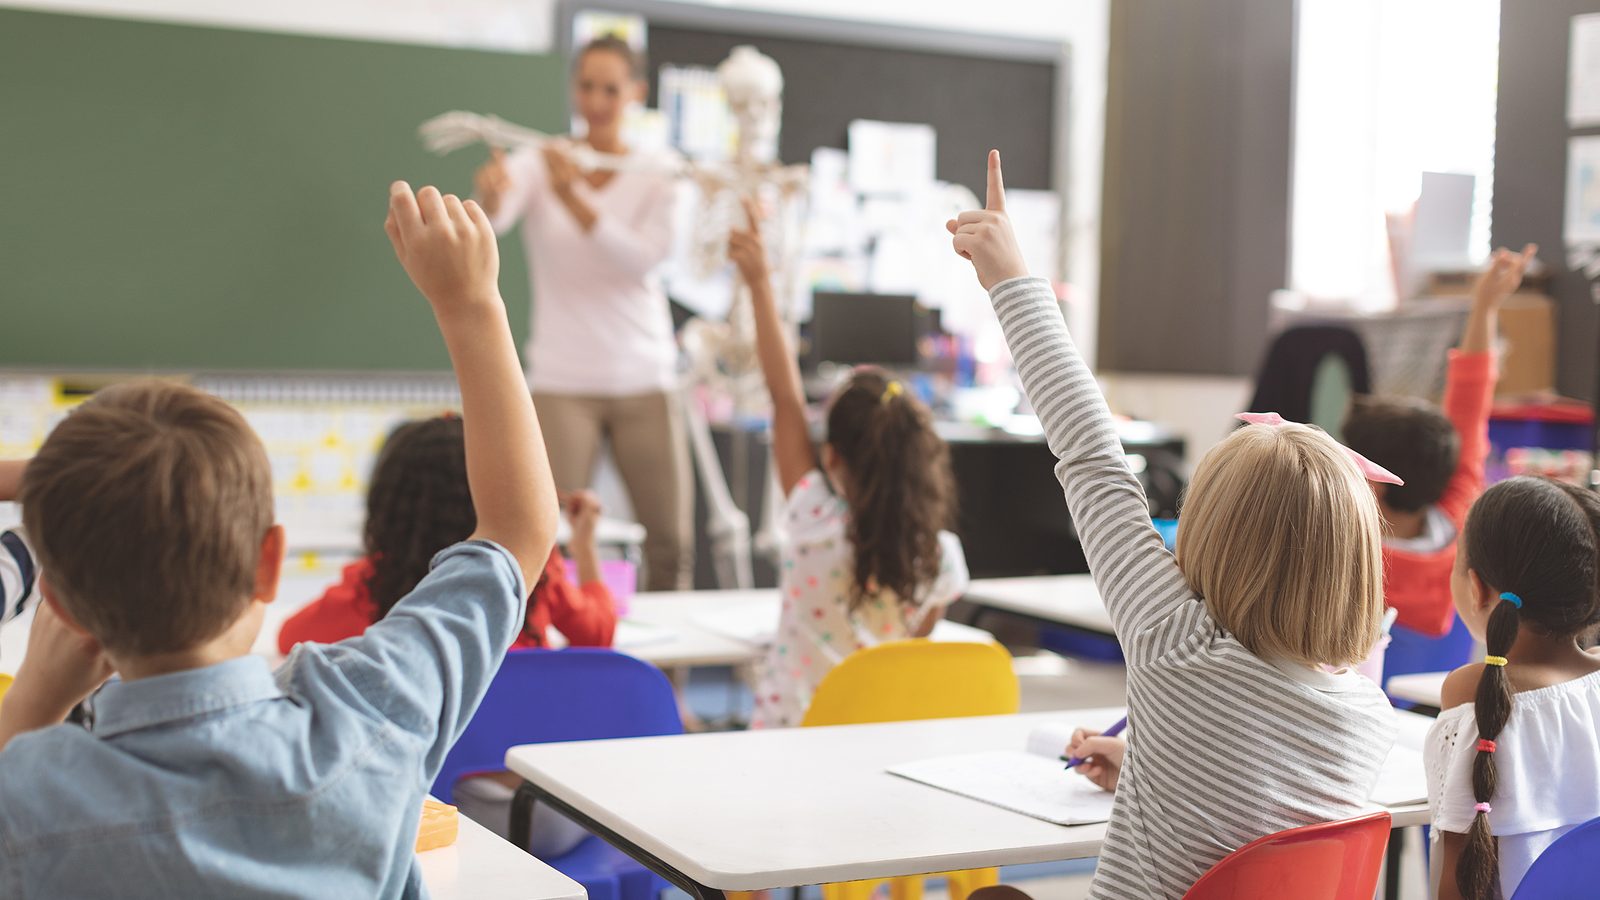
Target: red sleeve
587, 615
344, 610
1468, 397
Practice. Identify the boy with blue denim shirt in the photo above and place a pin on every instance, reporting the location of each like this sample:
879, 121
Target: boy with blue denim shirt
200, 772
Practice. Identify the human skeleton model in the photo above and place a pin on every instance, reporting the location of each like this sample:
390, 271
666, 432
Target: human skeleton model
721, 354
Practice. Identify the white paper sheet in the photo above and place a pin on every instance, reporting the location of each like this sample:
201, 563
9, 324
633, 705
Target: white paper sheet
1583, 72
891, 157
1011, 779
1040, 786
1583, 191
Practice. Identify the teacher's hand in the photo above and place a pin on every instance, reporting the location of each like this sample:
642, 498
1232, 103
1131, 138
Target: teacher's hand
491, 181
563, 171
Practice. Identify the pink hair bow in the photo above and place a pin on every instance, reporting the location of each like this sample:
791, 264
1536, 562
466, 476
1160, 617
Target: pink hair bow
1370, 469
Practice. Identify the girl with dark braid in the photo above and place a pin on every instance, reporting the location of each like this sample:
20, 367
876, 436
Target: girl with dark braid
1514, 759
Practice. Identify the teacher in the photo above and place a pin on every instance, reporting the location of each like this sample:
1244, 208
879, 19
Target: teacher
602, 358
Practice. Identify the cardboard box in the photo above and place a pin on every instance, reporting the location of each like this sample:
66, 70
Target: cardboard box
1528, 333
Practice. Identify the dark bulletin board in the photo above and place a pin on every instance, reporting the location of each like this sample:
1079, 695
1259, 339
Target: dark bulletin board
1530, 173
976, 102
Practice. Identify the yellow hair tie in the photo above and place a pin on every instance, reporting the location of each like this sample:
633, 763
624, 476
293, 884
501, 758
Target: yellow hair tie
1494, 660
893, 390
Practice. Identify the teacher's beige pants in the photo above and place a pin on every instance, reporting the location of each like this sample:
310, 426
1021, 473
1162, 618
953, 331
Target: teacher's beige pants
646, 435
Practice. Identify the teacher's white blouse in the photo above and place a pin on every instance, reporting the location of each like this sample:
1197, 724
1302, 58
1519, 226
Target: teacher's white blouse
601, 325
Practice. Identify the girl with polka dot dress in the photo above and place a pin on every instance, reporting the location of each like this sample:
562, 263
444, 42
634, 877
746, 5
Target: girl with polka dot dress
865, 558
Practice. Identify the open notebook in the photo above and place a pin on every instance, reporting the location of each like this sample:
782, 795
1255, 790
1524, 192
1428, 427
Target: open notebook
1036, 783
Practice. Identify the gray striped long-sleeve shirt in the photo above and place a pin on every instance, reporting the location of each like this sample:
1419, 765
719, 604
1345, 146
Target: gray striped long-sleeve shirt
1225, 746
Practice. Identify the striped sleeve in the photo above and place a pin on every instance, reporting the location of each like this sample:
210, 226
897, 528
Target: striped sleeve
19, 575
1136, 576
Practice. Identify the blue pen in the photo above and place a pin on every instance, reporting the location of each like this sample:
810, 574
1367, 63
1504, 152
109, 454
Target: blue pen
1076, 761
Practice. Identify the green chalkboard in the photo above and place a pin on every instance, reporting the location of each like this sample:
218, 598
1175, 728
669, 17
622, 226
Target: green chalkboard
174, 197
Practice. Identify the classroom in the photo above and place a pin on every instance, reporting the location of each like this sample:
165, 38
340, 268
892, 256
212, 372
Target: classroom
808, 449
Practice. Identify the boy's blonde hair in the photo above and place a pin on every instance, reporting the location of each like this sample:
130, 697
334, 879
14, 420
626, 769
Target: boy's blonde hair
147, 506
1280, 535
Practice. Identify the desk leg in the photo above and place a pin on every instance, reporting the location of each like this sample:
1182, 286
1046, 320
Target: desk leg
522, 807
520, 832
1391, 869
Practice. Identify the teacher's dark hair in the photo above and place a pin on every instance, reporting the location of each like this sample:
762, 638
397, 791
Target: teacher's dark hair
901, 491
610, 43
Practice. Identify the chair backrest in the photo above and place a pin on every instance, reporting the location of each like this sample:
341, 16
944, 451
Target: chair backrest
545, 696
1294, 380
1565, 870
1410, 652
916, 679
1327, 861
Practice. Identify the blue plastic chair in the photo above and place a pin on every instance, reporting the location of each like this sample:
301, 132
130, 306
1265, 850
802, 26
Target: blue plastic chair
1410, 652
579, 694
1565, 870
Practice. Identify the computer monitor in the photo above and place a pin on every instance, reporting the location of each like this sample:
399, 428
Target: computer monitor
866, 328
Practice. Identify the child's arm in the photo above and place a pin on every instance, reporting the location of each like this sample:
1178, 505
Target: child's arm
62, 666
791, 438
1469, 385
1500, 281
583, 514
11, 478
449, 250
426, 665
1137, 577
1450, 846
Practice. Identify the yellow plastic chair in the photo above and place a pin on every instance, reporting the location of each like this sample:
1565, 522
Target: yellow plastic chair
901, 681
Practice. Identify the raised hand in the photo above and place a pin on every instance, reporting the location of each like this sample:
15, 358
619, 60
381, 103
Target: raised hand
1504, 275
746, 247
984, 236
583, 512
563, 171
491, 181
447, 247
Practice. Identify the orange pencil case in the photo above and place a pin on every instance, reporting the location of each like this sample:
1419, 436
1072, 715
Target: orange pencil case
440, 824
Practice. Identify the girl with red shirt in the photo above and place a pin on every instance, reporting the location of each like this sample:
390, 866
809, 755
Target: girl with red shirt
417, 505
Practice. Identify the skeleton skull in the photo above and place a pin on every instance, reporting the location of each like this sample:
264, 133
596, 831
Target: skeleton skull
753, 84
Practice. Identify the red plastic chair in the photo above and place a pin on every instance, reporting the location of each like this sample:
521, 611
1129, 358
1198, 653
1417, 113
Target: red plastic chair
1330, 861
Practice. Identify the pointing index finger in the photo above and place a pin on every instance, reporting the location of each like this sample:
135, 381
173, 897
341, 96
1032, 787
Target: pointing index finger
997, 190
403, 206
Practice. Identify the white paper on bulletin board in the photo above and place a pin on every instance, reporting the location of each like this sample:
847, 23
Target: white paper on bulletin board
891, 157
1583, 72
1582, 223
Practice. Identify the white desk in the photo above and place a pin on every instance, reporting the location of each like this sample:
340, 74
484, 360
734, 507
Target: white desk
1423, 688
1058, 599
343, 536
679, 628
482, 866
667, 629
778, 808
